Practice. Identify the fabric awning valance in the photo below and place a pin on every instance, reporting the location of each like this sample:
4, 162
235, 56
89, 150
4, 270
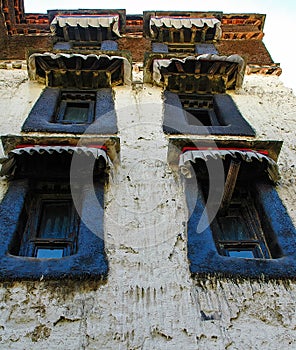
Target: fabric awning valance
158, 64
186, 22
45, 63
9, 163
191, 156
87, 21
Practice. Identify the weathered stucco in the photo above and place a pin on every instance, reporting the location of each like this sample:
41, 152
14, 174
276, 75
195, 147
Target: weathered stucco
270, 108
149, 300
18, 96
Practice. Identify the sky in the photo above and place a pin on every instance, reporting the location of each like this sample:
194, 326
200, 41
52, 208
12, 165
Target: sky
278, 29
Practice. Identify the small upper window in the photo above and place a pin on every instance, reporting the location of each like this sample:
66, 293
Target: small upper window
76, 107
203, 114
199, 110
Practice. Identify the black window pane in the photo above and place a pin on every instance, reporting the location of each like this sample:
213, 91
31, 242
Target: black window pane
234, 229
76, 112
55, 220
198, 117
47, 253
241, 254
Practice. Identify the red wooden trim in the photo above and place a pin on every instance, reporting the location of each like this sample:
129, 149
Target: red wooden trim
185, 149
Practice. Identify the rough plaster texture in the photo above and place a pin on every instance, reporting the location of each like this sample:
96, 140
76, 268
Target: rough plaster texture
270, 108
149, 300
17, 96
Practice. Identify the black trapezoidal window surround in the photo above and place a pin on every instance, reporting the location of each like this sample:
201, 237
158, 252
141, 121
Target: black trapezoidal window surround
202, 114
251, 234
73, 111
42, 234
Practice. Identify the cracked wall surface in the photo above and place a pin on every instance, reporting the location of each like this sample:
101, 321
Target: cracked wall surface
149, 300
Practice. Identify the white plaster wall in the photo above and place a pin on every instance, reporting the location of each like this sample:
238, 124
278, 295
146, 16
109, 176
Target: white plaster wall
270, 108
149, 300
17, 96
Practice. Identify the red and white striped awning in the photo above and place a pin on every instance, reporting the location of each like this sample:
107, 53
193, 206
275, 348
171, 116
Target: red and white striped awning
191, 156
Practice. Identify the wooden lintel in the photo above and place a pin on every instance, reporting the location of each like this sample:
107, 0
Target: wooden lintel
230, 183
197, 67
87, 34
99, 34
109, 33
77, 34
182, 37
215, 67
179, 67
66, 33
61, 63
114, 66
231, 69
231, 82
43, 64
78, 63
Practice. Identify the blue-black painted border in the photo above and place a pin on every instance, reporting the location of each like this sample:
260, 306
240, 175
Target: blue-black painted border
89, 261
41, 117
233, 123
205, 260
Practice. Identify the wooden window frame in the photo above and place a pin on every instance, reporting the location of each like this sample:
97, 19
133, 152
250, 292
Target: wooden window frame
194, 103
251, 219
76, 97
31, 241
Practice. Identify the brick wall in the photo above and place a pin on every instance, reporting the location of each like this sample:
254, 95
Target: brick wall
16, 46
253, 51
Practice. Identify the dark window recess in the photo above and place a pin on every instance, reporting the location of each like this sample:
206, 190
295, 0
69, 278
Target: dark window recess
251, 235
43, 235
202, 114
181, 48
50, 229
76, 107
238, 230
199, 110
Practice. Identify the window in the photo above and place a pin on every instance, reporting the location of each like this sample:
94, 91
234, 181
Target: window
51, 223
237, 230
195, 97
42, 234
203, 114
200, 110
251, 234
181, 48
73, 111
76, 107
